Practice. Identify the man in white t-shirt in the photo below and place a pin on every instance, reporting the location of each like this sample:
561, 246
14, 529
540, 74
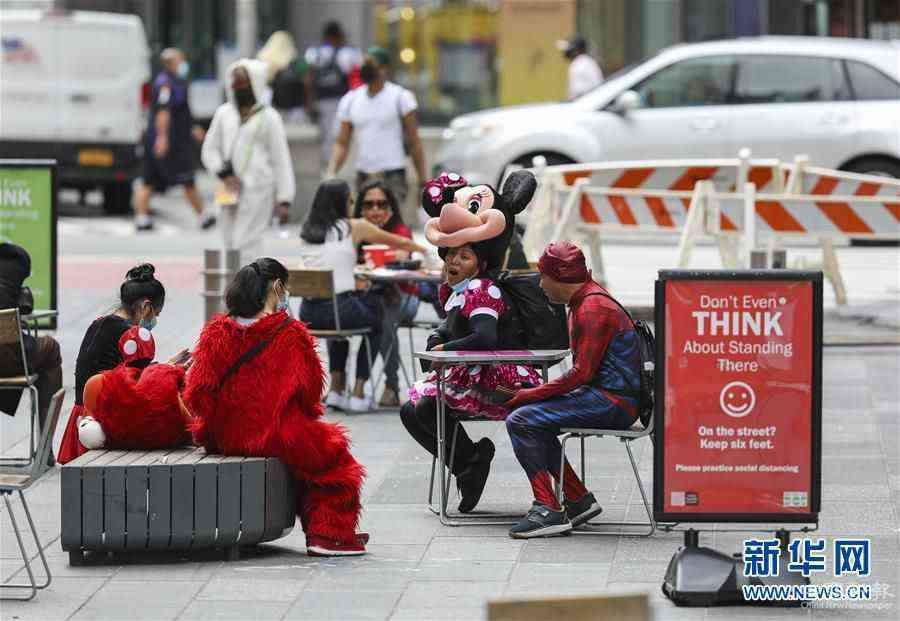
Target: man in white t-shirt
382, 115
332, 73
584, 72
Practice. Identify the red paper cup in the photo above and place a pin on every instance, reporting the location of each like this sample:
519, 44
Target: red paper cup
377, 255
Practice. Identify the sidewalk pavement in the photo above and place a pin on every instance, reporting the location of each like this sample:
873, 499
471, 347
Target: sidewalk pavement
416, 568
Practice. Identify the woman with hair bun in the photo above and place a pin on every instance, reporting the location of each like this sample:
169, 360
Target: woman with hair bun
141, 300
258, 349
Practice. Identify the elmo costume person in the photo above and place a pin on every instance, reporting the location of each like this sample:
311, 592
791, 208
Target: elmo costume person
255, 389
137, 404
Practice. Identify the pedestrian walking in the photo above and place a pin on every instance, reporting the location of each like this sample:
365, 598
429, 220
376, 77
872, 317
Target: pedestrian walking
168, 142
333, 69
246, 147
584, 72
383, 116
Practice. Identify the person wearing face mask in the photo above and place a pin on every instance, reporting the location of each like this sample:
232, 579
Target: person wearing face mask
258, 349
383, 117
246, 147
168, 142
475, 308
141, 300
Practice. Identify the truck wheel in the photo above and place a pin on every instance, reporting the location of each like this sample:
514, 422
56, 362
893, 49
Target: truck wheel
117, 198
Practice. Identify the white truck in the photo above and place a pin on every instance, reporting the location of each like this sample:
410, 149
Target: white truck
75, 87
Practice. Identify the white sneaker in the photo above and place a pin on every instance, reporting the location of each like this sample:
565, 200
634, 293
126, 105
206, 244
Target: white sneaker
361, 404
336, 400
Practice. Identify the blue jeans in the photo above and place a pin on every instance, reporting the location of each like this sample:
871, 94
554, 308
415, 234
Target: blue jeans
392, 315
534, 428
356, 309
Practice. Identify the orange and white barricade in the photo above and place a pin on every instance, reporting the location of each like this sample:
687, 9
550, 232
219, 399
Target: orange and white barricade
739, 202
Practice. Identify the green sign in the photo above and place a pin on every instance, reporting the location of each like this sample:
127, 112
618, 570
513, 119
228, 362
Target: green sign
28, 219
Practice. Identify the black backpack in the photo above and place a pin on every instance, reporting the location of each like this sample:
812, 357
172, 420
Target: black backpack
534, 322
329, 80
647, 350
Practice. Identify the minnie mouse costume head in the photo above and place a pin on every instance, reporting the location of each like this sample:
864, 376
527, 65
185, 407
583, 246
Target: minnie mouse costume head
462, 214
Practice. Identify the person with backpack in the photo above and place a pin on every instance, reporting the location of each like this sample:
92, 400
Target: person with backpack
476, 309
602, 390
333, 69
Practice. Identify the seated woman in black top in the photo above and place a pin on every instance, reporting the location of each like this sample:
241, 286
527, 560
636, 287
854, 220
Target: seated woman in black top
142, 298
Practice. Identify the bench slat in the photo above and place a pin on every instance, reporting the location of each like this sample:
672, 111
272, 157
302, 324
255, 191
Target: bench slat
159, 501
115, 501
253, 488
205, 499
229, 508
92, 509
183, 499
276, 489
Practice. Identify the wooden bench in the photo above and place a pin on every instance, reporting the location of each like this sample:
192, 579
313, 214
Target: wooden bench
180, 499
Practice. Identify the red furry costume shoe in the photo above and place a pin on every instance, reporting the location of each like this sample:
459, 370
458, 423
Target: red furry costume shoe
270, 406
137, 404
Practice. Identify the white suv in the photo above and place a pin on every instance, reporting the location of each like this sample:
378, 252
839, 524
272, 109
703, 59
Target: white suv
836, 100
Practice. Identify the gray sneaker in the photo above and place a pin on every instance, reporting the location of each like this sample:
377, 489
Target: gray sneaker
580, 511
541, 521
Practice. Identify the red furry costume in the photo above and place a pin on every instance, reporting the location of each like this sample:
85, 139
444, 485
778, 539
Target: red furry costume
137, 406
272, 406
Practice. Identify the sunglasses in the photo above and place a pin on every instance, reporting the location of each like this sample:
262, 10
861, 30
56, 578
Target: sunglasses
374, 204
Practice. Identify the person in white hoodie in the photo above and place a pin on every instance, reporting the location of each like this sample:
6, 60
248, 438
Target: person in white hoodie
246, 146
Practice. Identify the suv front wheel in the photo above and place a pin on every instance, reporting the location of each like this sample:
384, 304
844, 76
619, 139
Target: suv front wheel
881, 166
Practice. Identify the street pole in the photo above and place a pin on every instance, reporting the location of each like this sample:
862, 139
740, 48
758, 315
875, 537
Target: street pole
246, 28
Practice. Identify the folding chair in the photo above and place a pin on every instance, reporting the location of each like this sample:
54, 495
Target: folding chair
420, 324
10, 483
11, 336
626, 436
319, 284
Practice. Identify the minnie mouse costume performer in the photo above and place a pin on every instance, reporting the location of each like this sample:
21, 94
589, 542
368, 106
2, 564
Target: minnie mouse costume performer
472, 227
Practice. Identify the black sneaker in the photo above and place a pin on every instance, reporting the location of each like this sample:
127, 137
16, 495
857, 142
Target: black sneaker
471, 481
143, 227
580, 511
541, 521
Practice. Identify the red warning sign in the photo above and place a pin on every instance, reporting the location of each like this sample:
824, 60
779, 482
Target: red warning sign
738, 397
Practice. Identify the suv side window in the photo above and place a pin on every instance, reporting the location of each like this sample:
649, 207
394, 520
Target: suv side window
702, 81
869, 83
789, 79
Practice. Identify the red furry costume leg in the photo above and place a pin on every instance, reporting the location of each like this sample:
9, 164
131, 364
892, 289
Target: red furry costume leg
329, 501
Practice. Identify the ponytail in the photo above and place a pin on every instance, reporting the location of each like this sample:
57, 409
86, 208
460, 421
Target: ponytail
246, 295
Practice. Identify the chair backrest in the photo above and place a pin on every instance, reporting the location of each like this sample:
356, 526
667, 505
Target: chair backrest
314, 284
45, 446
311, 283
11, 334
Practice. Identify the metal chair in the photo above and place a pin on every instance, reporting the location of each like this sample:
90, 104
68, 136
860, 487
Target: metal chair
319, 284
11, 336
626, 436
10, 483
417, 324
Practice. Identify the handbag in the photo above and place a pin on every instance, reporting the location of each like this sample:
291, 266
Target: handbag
223, 195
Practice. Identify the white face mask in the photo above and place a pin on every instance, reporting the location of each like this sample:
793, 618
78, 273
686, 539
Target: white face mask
184, 67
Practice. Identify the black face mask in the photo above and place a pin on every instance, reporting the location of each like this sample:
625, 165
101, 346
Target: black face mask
244, 97
368, 73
